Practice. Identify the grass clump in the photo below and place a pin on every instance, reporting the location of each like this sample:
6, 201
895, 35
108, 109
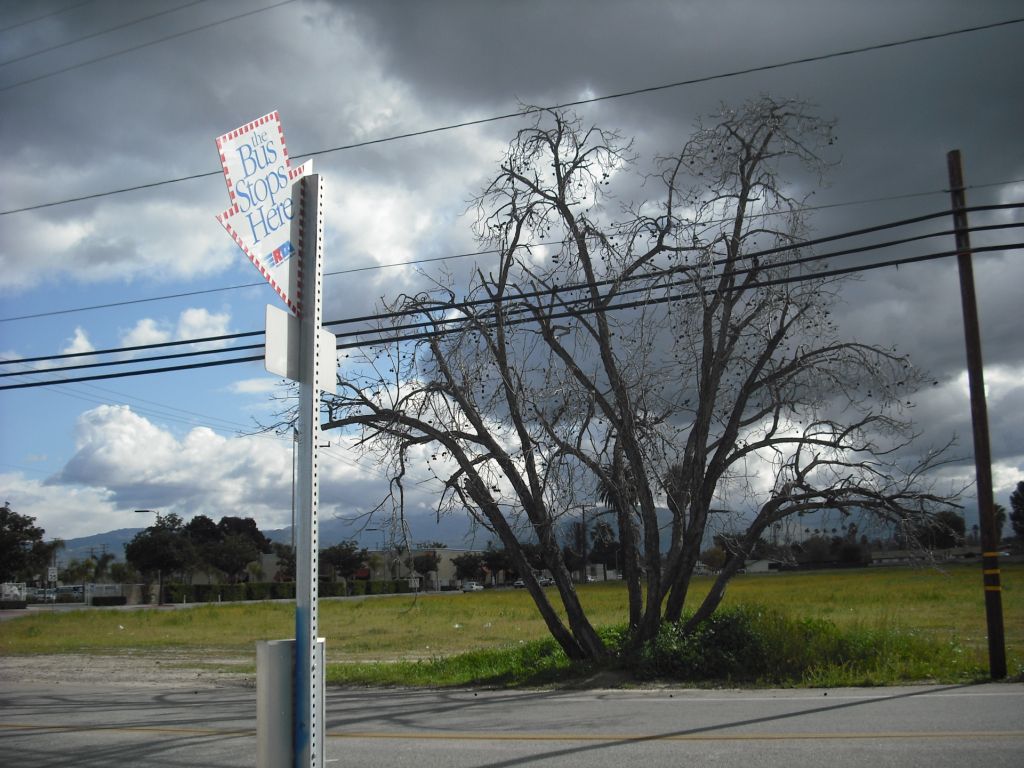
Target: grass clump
533, 663
760, 646
870, 626
747, 645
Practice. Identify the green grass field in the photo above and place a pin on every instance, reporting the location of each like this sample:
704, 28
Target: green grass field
942, 612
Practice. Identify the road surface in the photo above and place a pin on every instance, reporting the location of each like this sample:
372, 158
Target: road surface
214, 727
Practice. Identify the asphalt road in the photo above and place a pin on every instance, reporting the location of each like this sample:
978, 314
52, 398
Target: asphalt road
928, 726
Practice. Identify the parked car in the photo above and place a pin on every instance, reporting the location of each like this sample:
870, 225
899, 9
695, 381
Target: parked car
519, 584
472, 586
544, 581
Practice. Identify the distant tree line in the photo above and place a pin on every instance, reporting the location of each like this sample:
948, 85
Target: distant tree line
24, 555
172, 547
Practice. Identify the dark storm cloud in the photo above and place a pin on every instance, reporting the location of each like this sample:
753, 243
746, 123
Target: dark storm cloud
898, 111
345, 72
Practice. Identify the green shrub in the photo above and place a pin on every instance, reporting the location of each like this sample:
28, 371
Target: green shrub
333, 589
756, 645
727, 646
257, 590
357, 587
282, 590
204, 593
178, 593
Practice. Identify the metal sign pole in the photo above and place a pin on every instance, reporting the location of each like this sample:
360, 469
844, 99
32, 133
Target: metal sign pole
309, 673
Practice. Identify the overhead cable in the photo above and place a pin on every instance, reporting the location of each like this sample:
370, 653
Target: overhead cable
141, 46
413, 262
126, 24
541, 293
382, 341
531, 110
45, 16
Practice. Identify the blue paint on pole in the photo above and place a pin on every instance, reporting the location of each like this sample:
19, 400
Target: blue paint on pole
302, 687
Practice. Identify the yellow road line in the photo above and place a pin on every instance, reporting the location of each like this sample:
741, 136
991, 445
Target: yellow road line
631, 737
128, 729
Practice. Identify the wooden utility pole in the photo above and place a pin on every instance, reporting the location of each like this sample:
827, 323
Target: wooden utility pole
979, 421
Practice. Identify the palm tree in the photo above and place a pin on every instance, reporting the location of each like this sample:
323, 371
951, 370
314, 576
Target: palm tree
101, 566
999, 513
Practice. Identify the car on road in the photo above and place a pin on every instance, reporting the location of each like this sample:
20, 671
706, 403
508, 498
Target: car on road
472, 586
544, 581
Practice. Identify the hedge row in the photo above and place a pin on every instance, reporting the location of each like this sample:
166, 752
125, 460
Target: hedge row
275, 590
102, 600
360, 587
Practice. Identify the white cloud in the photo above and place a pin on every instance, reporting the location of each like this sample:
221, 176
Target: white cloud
262, 386
134, 464
78, 344
146, 331
194, 322
64, 512
162, 243
197, 322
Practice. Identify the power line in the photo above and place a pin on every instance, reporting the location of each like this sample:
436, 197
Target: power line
647, 301
41, 51
529, 295
191, 418
380, 341
260, 284
530, 110
413, 262
152, 358
549, 292
160, 412
45, 16
137, 347
644, 289
142, 45
143, 372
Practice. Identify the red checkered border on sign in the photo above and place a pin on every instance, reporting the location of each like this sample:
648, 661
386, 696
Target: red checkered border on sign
296, 305
221, 140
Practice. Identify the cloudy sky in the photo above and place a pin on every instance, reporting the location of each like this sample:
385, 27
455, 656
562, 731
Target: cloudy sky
103, 95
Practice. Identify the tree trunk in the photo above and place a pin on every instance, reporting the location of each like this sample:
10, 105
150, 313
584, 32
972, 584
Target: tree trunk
580, 644
714, 597
630, 566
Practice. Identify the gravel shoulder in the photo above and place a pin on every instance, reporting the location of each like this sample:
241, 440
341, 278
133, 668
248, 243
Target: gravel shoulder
165, 670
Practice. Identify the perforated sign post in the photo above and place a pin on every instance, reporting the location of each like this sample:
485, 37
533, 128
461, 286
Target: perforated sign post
276, 218
309, 673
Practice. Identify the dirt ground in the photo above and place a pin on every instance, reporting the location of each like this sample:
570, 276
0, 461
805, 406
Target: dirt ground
166, 670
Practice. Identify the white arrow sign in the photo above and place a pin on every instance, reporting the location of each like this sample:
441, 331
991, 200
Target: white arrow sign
259, 179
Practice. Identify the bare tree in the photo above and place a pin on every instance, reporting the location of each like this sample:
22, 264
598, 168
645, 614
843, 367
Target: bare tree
656, 355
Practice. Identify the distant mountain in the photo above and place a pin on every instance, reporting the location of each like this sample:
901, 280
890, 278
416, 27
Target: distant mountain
455, 532
451, 531
112, 542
